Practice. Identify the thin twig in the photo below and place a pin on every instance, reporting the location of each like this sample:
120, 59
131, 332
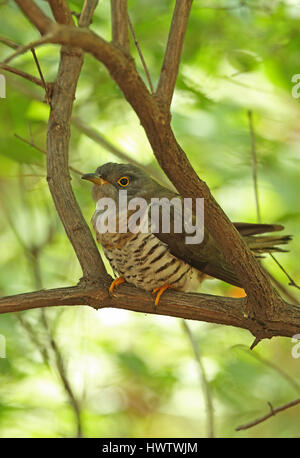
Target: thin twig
273, 366
254, 164
141, 55
31, 143
25, 175
60, 365
291, 297
31, 333
25, 75
292, 282
204, 381
45, 85
32, 252
41, 150
40, 82
229, 7
8, 42
22, 49
268, 415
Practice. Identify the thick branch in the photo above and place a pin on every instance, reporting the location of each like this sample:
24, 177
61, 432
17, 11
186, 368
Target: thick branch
57, 164
119, 22
202, 307
170, 66
35, 15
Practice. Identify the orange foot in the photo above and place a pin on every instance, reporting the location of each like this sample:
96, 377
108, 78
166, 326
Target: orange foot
115, 283
160, 291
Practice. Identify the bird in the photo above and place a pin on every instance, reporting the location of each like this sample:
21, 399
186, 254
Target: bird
155, 260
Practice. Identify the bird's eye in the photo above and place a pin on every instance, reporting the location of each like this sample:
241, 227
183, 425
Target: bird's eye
124, 181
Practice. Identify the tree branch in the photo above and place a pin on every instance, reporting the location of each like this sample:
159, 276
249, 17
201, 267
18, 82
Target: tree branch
58, 168
61, 11
35, 146
204, 382
119, 22
61, 369
8, 42
35, 15
202, 307
87, 12
33, 252
170, 66
25, 75
254, 164
269, 415
141, 56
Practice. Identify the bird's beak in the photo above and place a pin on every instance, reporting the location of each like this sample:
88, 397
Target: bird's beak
94, 178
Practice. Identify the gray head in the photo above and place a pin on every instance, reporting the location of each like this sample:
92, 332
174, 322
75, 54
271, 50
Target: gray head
111, 177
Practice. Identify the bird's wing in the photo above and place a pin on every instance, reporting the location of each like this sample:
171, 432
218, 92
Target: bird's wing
206, 256
254, 229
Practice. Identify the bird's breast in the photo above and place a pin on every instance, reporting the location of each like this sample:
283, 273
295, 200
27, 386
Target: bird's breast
145, 261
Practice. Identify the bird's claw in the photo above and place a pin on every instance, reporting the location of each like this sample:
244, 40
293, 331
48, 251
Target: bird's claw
160, 290
117, 281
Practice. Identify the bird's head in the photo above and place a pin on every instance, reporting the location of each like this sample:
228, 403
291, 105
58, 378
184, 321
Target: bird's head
111, 177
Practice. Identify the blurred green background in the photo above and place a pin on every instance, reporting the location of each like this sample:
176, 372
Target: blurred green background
113, 373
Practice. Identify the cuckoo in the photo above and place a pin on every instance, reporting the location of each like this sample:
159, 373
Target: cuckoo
156, 260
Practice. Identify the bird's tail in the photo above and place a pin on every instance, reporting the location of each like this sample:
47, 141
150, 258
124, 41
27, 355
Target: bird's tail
263, 243
267, 244
259, 244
